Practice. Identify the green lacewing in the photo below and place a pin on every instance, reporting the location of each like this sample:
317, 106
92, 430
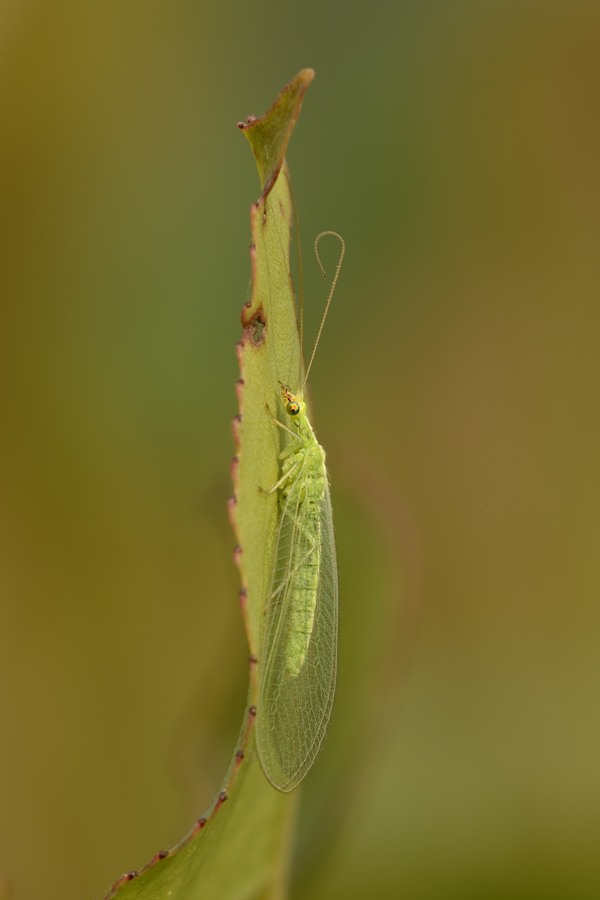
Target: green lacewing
298, 651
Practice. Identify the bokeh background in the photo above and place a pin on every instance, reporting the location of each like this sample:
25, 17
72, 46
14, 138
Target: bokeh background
456, 146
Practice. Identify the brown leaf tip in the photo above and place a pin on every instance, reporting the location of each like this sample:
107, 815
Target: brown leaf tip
249, 121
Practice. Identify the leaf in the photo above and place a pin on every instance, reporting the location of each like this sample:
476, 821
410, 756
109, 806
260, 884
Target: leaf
239, 847
269, 134
269, 352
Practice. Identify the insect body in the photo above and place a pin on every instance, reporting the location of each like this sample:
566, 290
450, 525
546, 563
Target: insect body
299, 646
298, 651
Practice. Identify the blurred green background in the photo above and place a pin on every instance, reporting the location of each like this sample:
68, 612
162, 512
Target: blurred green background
456, 146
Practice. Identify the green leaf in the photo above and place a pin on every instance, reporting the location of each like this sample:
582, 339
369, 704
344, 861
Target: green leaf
270, 349
269, 135
240, 847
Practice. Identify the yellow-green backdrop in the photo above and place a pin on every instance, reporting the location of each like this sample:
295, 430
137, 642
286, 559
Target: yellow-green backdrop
456, 147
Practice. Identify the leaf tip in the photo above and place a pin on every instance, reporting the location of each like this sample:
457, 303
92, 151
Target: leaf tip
269, 134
